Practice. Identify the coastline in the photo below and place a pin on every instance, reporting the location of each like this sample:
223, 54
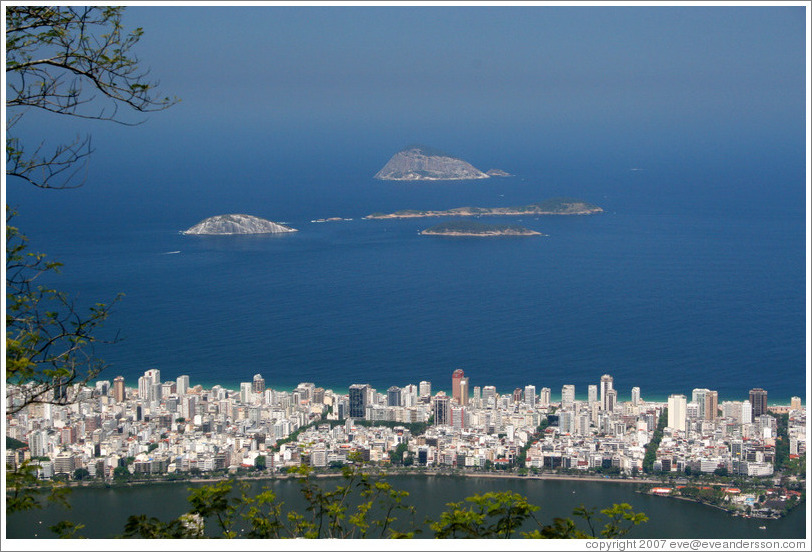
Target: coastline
383, 472
494, 234
476, 212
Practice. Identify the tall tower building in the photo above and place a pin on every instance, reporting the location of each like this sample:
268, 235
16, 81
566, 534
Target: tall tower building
635, 395
425, 389
358, 400
611, 400
442, 409
246, 392
677, 412
530, 395
795, 403
182, 385
758, 402
144, 383
154, 375
456, 379
393, 396
606, 384
258, 385
592, 394
464, 391
567, 396
517, 395
711, 405
119, 391
544, 397
698, 397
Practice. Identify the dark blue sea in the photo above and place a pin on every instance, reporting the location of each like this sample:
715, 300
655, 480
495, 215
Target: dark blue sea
694, 276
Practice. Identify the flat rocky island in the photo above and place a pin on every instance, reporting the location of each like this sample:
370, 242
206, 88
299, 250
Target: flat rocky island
477, 229
224, 225
554, 206
424, 163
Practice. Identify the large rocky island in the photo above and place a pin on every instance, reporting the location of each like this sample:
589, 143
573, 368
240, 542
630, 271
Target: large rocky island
554, 206
477, 229
418, 162
236, 224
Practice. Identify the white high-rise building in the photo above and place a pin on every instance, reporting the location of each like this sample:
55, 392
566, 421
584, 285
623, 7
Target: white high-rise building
408, 395
182, 385
592, 394
606, 384
425, 389
154, 374
544, 397
698, 397
38, 443
636, 395
488, 394
567, 396
477, 400
144, 383
188, 407
747, 413
530, 395
566, 422
678, 412
246, 392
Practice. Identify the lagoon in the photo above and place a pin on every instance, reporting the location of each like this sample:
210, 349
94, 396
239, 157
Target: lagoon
104, 511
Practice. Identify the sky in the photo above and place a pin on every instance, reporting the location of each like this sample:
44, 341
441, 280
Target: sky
618, 70
625, 83
605, 75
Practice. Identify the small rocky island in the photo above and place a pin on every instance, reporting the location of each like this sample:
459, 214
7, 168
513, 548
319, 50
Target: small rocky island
418, 162
554, 206
236, 224
477, 229
497, 172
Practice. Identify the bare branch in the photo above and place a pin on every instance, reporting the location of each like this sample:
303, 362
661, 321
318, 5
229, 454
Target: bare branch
74, 61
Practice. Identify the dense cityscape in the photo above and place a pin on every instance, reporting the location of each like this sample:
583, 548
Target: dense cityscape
168, 429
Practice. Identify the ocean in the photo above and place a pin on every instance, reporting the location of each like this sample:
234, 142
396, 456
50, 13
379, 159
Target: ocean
694, 276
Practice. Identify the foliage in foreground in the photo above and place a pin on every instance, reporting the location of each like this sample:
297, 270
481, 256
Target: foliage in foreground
363, 505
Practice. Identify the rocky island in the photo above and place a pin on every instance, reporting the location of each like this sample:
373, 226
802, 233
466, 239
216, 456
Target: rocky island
554, 206
497, 172
418, 162
477, 229
236, 224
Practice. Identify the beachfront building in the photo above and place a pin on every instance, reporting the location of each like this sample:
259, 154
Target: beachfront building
189, 429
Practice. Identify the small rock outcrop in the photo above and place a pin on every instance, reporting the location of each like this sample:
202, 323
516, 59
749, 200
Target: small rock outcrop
424, 163
236, 224
470, 228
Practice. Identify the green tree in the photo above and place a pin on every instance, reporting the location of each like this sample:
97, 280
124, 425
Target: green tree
77, 62
396, 454
365, 505
260, 462
654, 444
80, 474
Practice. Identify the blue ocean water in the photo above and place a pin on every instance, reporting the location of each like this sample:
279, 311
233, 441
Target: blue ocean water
693, 277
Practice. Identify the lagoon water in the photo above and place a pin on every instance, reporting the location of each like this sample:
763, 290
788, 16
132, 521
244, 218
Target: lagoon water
693, 277
104, 512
